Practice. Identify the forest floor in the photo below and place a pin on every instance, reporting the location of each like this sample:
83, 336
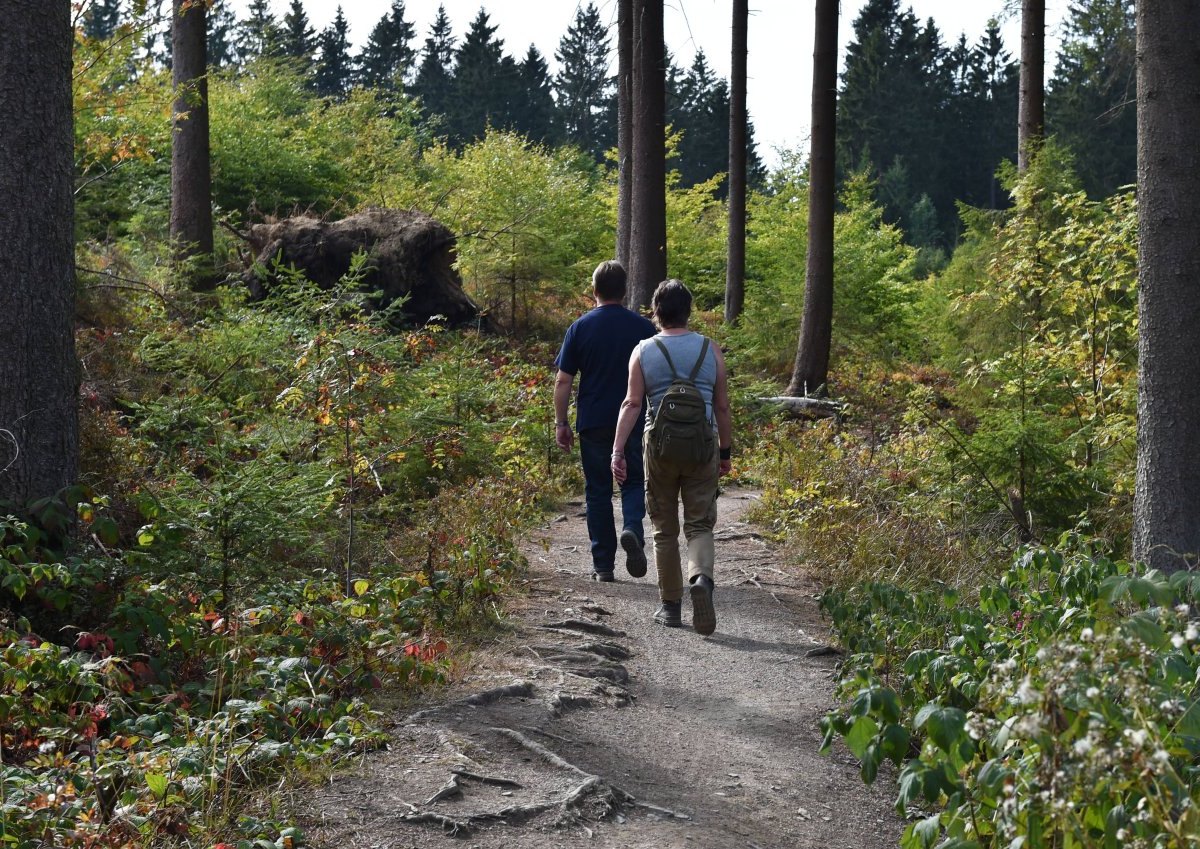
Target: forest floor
584, 724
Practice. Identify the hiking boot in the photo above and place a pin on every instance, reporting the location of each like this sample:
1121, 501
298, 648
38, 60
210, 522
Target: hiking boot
635, 555
704, 617
604, 577
669, 613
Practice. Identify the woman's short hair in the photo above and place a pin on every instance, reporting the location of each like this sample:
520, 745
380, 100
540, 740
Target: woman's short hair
671, 304
608, 280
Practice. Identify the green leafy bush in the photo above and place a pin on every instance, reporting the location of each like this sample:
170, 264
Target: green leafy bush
1059, 708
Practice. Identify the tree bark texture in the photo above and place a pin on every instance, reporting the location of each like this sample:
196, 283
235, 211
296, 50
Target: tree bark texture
816, 326
624, 126
1031, 118
735, 272
1166, 532
648, 207
191, 179
39, 375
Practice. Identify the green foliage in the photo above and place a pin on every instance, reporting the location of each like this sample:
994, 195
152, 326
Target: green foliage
1057, 709
322, 504
278, 148
529, 219
1051, 338
872, 273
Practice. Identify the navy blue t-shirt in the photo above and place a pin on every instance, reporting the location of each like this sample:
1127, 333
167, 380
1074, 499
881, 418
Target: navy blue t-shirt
597, 347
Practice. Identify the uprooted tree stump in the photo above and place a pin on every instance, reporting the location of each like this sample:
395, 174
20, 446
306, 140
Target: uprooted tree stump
409, 255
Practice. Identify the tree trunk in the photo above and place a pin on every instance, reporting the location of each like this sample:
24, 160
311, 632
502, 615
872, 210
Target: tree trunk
39, 375
191, 181
1166, 531
624, 126
735, 273
816, 327
648, 207
1031, 120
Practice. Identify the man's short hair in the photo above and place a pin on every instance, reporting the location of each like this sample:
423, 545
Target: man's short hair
608, 280
671, 304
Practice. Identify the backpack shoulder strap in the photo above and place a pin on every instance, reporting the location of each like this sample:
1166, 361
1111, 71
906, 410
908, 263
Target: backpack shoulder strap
699, 361
663, 348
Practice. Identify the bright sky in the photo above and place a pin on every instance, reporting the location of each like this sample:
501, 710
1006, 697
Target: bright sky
780, 39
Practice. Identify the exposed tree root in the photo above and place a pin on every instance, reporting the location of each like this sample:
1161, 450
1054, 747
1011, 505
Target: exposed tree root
566, 702
496, 780
522, 689
613, 651
448, 790
584, 626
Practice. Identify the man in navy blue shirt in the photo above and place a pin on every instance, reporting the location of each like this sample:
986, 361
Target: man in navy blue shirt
597, 347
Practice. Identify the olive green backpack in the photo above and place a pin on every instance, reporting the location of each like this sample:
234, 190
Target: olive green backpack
680, 431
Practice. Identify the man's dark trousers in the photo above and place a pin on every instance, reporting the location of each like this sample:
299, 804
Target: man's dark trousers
595, 449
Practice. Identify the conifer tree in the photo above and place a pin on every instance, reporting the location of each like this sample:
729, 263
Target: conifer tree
259, 34
222, 29
1091, 99
536, 117
434, 74
648, 204
1166, 530
583, 85
484, 85
335, 70
102, 19
299, 38
896, 90
387, 58
39, 372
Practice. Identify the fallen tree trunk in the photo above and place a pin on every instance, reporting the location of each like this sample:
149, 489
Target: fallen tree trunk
806, 408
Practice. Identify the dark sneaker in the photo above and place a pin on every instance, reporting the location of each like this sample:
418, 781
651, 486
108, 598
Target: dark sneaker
604, 577
635, 554
669, 613
704, 617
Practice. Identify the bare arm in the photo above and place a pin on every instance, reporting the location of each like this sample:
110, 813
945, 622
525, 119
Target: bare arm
562, 400
631, 408
721, 410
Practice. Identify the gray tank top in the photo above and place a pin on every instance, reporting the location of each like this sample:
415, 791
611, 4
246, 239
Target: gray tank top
684, 350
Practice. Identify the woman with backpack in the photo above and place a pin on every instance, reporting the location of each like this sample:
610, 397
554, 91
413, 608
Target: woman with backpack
686, 449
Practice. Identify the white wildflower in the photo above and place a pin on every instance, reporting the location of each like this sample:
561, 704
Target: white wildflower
1137, 737
1191, 633
1177, 640
1082, 746
1086, 635
1026, 694
1092, 692
1030, 725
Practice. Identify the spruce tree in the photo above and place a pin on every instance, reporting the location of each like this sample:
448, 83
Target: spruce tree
259, 34
387, 58
39, 420
1092, 94
583, 85
222, 28
896, 90
484, 85
702, 114
102, 19
299, 38
536, 117
434, 74
335, 70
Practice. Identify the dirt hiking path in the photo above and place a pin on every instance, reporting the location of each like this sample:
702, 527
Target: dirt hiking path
590, 726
